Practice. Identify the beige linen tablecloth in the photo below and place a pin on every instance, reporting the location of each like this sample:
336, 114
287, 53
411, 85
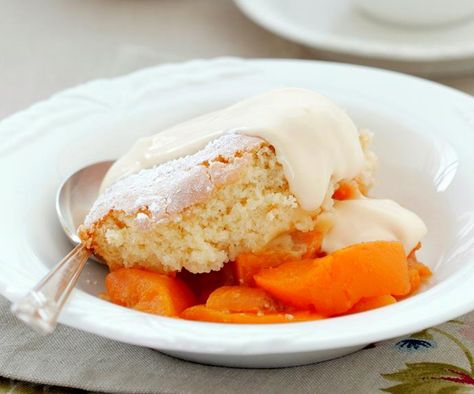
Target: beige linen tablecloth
438, 360
49, 45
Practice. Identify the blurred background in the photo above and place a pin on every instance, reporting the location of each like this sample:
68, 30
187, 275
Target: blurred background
49, 45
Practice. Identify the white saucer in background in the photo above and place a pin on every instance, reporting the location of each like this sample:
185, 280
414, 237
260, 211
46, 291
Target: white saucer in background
341, 29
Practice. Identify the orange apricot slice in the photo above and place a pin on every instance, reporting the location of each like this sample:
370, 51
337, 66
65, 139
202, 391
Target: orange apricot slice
204, 284
248, 264
334, 283
345, 191
366, 304
203, 313
311, 239
419, 274
241, 299
148, 291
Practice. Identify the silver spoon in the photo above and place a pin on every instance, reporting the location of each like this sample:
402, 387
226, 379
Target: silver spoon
41, 307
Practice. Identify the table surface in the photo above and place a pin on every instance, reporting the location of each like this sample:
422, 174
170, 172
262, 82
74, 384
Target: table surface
49, 45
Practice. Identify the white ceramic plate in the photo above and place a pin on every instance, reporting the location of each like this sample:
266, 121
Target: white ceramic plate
339, 27
423, 136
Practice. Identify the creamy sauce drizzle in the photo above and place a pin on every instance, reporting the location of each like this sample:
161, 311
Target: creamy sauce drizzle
369, 219
314, 140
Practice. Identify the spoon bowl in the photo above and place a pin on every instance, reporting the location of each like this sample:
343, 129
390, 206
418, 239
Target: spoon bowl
76, 195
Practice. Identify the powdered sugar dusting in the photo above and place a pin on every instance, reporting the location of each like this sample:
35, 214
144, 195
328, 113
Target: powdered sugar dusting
167, 189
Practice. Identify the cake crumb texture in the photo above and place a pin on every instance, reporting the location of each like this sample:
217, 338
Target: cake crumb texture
198, 212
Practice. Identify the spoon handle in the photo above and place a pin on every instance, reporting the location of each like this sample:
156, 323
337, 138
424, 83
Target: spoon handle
40, 308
